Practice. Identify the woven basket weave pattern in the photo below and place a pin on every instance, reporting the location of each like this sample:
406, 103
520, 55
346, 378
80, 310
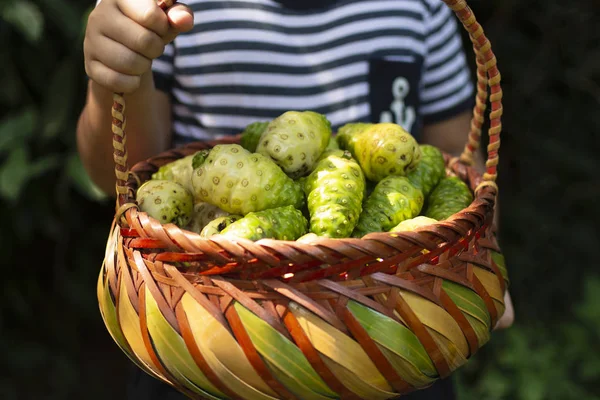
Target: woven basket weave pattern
155, 276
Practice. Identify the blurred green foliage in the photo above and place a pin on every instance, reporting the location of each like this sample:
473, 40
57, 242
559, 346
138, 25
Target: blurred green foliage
54, 222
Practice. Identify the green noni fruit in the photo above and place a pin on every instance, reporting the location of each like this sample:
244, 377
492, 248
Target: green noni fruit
450, 196
333, 144
202, 215
347, 134
179, 171
335, 191
282, 223
251, 135
166, 201
217, 225
430, 170
240, 182
413, 223
295, 140
385, 149
393, 200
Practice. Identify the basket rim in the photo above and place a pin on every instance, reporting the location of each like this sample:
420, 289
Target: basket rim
180, 240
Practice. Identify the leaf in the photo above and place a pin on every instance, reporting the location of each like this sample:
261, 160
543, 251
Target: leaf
355, 384
58, 99
500, 261
467, 301
16, 130
481, 330
129, 321
395, 337
223, 353
172, 351
81, 179
26, 17
453, 355
340, 348
14, 174
407, 371
286, 358
490, 283
436, 318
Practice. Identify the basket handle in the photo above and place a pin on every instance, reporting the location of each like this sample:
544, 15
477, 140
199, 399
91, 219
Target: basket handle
124, 194
487, 75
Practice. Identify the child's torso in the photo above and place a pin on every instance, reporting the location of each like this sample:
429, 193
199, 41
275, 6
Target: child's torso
250, 60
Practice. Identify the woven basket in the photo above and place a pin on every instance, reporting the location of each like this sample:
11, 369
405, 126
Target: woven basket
369, 318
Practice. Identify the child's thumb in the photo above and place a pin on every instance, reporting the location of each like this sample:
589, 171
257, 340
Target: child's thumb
181, 19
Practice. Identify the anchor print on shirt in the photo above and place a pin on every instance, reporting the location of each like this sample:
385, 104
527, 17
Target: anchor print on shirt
399, 113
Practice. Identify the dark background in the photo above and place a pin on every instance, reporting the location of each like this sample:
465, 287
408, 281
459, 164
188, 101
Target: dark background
53, 224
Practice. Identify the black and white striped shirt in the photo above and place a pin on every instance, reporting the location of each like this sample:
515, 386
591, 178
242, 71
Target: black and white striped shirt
353, 60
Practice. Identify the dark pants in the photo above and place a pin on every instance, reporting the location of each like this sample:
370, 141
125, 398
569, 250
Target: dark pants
144, 387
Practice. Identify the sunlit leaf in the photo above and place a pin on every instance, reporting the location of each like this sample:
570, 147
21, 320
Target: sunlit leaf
172, 351
223, 353
284, 357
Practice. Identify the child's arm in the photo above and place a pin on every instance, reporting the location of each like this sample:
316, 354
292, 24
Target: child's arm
122, 39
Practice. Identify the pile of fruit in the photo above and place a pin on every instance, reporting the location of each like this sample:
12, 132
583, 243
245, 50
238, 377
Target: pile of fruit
291, 179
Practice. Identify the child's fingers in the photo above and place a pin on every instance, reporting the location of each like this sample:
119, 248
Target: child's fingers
136, 37
120, 58
146, 13
110, 79
181, 19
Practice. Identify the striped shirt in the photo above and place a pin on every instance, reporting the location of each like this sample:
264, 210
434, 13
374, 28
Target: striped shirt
354, 60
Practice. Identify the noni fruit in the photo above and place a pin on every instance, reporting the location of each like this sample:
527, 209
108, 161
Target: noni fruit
282, 223
385, 149
450, 196
333, 144
240, 182
430, 170
251, 135
295, 140
203, 214
215, 226
179, 171
335, 191
347, 134
413, 223
393, 200
166, 201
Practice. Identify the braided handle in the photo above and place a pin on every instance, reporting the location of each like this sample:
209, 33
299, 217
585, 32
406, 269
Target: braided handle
124, 195
487, 75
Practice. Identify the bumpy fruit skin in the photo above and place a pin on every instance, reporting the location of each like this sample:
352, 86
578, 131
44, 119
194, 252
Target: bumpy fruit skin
393, 200
430, 170
251, 135
240, 182
347, 134
166, 201
335, 191
217, 225
203, 214
282, 223
450, 196
385, 149
179, 171
295, 140
413, 223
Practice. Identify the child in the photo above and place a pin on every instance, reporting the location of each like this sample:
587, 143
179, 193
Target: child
212, 67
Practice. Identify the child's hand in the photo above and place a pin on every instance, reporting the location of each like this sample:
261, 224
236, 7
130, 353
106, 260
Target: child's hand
124, 36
